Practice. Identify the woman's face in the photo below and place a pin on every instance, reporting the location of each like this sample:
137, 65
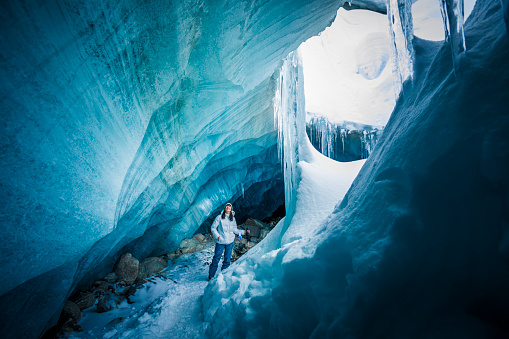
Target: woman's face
228, 209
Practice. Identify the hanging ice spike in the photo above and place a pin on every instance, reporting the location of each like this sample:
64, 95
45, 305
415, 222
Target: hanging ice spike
453, 16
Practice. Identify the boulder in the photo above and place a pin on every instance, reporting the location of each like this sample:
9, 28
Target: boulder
111, 278
186, 250
68, 326
127, 268
99, 285
154, 264
189, 243
200, 237
104, 305
109, 302
188, 246
172, 255
83, 300
70, 311
256, 223
254, 231
263, 233
143, 274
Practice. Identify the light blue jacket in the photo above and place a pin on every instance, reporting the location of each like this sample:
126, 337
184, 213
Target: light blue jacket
225, 229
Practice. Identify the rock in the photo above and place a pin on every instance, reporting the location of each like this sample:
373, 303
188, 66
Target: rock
256, 223
154, 264
254, 231
186, 250
83, 300
99, 285
200, 237
103, 305
111, 278
142, 274
172, 255
130, 291
189, 243
70, 311
243, 240
67, 327
109, 302
263, 233
127, 268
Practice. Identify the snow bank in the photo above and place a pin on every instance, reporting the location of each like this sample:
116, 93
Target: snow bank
418, 247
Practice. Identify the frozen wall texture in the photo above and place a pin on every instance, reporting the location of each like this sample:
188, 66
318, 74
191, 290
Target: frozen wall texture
124, 124
419, 246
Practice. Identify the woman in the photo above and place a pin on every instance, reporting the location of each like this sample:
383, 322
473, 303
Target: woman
224, 229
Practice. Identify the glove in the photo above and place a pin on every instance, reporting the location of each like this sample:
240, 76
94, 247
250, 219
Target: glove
240, 237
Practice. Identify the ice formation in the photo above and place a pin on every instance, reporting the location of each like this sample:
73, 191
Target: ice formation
399, 14
125, 124
342, 142
453, 16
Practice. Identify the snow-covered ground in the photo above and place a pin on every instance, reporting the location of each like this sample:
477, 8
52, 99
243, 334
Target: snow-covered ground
167, 308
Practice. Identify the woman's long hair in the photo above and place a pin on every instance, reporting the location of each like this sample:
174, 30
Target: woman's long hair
224, 214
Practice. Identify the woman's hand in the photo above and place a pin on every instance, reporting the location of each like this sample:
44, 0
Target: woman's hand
247, 231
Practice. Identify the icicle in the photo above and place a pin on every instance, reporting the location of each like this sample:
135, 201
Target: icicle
401, 30
453, 16
289, 117
343, 136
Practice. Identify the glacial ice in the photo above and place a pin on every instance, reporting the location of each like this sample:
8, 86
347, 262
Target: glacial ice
342, 142
399, 14
453, 16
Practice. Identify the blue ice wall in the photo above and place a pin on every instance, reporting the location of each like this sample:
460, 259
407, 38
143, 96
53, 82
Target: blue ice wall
121, 123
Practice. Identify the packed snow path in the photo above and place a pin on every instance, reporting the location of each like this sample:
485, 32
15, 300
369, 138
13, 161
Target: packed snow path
167, 308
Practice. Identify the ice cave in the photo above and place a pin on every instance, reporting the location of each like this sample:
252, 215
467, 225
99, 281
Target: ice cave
381, 126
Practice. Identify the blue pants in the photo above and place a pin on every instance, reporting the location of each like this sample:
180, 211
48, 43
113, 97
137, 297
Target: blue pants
218, 252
